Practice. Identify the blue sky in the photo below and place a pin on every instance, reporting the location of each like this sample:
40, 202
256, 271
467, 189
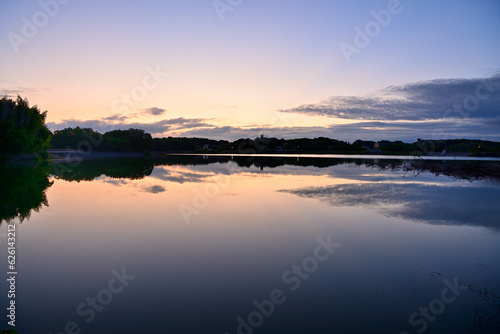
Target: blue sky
267, 67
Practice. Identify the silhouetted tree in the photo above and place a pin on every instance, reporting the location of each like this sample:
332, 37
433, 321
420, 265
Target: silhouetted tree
131, 140
22, 128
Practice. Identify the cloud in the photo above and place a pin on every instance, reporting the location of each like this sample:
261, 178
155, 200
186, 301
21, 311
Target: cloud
233, 133
22, 91
409, 131
116, 117
155, 111
109, 124
98, 125
426, 100
186, 123
12, 92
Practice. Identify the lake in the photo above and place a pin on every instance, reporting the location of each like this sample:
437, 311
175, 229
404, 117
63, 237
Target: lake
221, 244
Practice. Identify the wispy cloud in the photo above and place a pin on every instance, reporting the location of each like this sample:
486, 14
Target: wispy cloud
12, 92
19, 90
116, 117
116, 122
155, 111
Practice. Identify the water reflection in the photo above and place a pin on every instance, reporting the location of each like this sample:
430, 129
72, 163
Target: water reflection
249, 161
136, 168
88, 170
24, 187
178, 175
467, 170
23, 191
431, 203
264, 220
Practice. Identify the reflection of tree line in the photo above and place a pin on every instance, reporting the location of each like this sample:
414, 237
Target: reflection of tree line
23, 190
24, 186
249, 161
88, 170
272, 162
136, 168
469, 170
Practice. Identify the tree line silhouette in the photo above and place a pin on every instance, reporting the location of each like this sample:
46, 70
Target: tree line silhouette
23, 130
136, 140
131, 140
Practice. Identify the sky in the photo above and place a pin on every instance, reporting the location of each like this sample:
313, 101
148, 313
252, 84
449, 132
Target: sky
228, 69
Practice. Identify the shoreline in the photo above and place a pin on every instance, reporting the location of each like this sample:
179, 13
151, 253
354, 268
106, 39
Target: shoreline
469, 168
345, 156
79, 155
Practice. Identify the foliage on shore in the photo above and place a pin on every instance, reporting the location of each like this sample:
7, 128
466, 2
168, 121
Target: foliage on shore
131, 140
135, 140
22, 128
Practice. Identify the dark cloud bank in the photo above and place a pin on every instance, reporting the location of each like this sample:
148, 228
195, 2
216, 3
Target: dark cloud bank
428, 100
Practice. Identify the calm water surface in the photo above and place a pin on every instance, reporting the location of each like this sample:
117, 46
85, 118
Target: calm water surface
216, 245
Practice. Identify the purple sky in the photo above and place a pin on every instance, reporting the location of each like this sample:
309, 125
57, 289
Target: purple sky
240, 68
